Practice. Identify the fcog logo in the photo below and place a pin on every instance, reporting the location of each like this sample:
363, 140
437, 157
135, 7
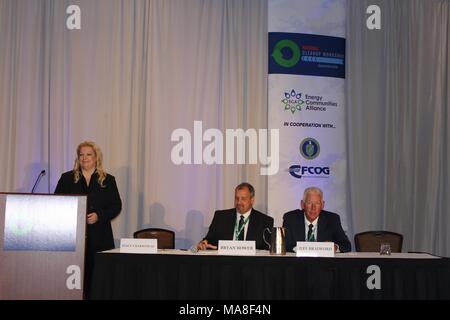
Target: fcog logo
298, 171
309, 148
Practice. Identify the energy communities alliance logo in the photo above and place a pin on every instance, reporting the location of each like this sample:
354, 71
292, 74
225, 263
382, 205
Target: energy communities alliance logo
292, 101
295, 101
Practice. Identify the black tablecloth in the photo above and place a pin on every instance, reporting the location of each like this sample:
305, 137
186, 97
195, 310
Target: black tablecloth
197, 277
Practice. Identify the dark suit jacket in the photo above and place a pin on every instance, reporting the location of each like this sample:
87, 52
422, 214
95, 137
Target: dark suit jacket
223, 223
105, 201
329, 228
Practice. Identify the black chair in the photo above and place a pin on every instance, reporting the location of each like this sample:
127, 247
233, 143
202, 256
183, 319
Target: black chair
166, 238
370, 241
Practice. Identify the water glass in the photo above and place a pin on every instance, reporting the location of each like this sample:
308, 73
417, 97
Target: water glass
385, 249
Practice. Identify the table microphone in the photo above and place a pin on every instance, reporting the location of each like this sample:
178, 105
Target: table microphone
37, 180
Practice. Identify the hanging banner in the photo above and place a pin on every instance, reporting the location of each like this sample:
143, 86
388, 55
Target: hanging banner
306, 103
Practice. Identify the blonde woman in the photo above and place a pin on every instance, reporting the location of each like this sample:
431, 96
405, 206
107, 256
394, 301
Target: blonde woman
103, 200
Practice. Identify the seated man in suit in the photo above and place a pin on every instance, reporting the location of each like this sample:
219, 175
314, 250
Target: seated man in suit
240, 223
312, 223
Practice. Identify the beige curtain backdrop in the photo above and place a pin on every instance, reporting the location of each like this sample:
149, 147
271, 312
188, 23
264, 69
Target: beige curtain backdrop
137, 70
398, 121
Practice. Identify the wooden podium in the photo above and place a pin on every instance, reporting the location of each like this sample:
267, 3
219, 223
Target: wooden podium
42, 245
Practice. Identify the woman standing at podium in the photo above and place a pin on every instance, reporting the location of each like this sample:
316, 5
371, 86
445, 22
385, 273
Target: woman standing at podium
103, 200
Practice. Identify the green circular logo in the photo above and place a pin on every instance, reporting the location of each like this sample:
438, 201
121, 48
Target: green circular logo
278, 55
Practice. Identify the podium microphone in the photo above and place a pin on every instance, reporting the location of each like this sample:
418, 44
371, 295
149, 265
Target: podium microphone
37, 180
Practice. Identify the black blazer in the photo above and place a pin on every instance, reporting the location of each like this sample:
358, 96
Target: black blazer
223, 223
329, 228
105, 201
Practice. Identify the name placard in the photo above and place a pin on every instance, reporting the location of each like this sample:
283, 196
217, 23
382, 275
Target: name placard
315, 249
238, 248
131, 245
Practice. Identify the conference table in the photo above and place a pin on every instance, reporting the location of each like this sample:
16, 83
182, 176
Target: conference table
206, 275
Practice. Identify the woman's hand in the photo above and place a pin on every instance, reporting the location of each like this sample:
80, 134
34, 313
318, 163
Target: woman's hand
92, 218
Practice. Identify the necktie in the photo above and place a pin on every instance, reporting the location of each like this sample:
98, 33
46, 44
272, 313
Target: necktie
311, 233
241, 228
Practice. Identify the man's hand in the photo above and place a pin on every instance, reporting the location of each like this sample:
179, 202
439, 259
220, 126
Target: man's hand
204, 245
336, 248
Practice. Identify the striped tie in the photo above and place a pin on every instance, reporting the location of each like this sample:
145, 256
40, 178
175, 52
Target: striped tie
311, 233
241, 228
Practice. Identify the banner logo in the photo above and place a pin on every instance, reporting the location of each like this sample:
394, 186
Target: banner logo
292, 101
295, 101
293, 52
306, 54
298, 171
309, 148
